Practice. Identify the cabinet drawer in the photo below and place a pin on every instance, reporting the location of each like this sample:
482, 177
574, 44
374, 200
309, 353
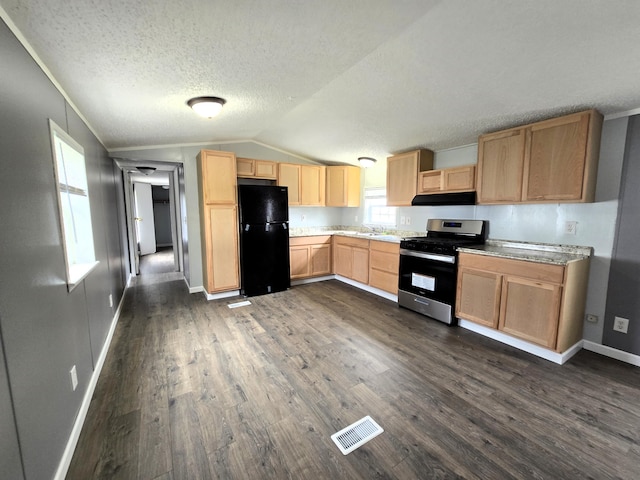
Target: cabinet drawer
384, 281
385, 261
385, 247
543, 272
312, 240
354, 242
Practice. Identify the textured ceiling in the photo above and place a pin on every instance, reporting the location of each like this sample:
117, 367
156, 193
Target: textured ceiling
333, 79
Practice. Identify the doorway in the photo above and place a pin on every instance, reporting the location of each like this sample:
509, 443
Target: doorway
154, 217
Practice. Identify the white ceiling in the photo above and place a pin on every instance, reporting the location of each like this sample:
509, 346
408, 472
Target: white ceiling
333, 79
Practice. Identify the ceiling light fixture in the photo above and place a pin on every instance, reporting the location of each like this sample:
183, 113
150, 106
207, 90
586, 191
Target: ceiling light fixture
366, 162
146, 170
208, 107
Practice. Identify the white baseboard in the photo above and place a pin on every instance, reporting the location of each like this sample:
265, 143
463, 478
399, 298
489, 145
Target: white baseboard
217, 296
531, 348
63, 466
192, 289
612, 352
304, 281
368, 288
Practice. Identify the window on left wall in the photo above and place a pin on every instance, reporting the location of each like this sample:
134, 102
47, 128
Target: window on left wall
74, 206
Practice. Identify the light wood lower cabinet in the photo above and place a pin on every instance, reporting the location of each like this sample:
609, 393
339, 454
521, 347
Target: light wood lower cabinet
221, 246
351, 258
537, 302
310, 256
384, 261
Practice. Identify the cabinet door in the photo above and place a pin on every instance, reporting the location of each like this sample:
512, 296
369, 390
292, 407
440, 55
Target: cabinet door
299, 260
343, 186
245, 167
459, 179
430, 182
500, 166
402, 178
342, 260
312, 185
555, 159
222, 248
360, 270
320, 259
218, 177
289, 176
266, 169
529, 310
478, 296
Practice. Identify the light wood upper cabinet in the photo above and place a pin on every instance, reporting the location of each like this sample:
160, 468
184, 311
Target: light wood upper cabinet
402, 175
251, 168
537, 302
561, 161
456, 179
343, 186
306, 183
500, 166
217, 184
217, 177
312, 185
551, 161
289, 176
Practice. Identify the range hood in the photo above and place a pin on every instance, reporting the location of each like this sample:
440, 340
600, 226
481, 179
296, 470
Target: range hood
461, 198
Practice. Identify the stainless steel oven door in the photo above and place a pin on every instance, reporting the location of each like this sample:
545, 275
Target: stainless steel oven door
427, 284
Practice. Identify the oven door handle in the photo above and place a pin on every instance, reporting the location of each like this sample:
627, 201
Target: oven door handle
429, 256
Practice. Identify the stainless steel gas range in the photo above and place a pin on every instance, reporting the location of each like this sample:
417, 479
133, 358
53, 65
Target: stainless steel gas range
429, 266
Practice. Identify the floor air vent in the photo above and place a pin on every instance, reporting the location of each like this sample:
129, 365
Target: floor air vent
356, 434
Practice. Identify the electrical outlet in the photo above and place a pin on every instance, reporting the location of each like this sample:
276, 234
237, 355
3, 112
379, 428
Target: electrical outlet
592, 318
302, 217
74, 378
111, 300
621, 324
403, 219
570, 227
408, 220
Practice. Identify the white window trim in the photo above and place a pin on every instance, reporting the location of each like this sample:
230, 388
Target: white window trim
379, 192
76, 272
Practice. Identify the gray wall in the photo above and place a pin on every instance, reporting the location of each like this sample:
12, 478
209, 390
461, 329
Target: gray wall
623, 294
46, 329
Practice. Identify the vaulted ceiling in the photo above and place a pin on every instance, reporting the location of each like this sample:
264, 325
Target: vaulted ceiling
333, 79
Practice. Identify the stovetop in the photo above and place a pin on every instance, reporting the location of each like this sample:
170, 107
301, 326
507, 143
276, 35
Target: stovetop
443, 236
438, 244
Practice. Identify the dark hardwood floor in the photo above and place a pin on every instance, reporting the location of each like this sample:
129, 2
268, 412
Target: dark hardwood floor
195, 390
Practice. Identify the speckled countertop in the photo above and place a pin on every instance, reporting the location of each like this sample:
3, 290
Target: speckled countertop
532, 252
393, 236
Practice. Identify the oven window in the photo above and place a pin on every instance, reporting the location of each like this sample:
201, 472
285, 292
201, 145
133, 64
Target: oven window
428, 278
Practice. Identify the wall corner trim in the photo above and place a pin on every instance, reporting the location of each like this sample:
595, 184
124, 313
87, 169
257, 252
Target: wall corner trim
65, 461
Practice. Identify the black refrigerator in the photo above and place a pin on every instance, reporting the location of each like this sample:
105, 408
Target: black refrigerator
264, 239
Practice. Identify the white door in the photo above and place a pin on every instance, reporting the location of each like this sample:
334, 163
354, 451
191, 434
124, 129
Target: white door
144, 218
